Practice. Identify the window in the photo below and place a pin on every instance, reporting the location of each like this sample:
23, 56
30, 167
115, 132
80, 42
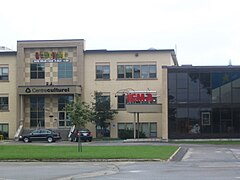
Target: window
3, 73
148, 129
102, 72
121, 102
37, 71
3, 103
206, 118
63, 117
37, 114
102, 102
136, 71
4, 129
65, 70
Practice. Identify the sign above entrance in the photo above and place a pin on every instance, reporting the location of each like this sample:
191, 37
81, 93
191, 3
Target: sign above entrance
51, 57
49, 90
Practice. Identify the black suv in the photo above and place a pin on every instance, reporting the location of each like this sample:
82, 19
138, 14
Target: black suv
40, 135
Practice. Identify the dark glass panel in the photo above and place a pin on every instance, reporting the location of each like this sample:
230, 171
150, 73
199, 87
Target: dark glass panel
182, 95
236, 95
226, 93
216, 120
182, 120
205, 80
182, 80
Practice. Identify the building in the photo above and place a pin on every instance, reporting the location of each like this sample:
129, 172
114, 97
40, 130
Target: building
203, 101
8, 92
43, 76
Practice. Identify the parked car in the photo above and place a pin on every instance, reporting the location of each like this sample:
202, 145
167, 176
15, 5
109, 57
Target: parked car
84, 134
40, 135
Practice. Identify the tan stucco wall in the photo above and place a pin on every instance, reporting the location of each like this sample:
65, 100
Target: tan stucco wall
9, 88
113, 85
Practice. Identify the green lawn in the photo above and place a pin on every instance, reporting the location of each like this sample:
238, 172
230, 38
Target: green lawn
8, 152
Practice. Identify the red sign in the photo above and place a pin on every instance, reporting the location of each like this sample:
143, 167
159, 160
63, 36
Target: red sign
137, 97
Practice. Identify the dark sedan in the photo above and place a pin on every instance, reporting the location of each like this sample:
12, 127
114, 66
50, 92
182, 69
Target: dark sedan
84, 134
40, 135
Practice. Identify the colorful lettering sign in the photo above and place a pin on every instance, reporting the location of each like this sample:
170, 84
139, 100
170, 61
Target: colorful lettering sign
51, 56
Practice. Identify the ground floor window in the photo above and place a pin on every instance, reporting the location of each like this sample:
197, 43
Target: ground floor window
4, 129
37, 113
63, 118
204, 122
146, 129
103, 131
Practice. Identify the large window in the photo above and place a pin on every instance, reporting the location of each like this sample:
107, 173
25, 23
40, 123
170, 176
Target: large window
37, 71
3, 73
102, 72
65, 70
3, 103
63, 117
37, 114
149, 129
137, 71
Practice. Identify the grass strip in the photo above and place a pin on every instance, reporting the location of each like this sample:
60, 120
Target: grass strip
20, 152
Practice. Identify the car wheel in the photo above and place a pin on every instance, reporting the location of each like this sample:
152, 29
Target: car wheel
26, 139
90, 140
50, 139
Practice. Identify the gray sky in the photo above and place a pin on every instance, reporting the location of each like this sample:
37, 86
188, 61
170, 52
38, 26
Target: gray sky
203, 32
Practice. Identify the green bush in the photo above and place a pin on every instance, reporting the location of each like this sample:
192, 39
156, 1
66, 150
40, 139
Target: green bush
128, 134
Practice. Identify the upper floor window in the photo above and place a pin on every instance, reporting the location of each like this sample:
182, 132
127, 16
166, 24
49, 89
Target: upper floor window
121, 101
102, 102
65, 70
136, 71
37, 71
3, 103
102, 72
3, 73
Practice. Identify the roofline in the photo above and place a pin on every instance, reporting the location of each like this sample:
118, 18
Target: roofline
123, 51
202, 67
172, 51
8, 53
50, 40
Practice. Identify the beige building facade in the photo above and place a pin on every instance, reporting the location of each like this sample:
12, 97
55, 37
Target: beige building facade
44, 76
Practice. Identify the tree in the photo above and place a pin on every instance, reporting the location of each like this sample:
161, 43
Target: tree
79, 113
102, 111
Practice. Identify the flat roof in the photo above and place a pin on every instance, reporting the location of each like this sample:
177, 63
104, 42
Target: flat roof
99, 51
213, 67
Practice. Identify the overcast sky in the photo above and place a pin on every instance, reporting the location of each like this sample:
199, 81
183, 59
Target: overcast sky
203, 32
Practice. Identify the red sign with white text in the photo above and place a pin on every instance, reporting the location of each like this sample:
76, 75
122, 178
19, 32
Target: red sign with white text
139, 98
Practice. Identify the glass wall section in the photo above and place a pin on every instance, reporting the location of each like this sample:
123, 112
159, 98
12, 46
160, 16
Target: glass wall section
205, 90
204, 102
182, 85
63, 118
193, 90
172, 87
37, 112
